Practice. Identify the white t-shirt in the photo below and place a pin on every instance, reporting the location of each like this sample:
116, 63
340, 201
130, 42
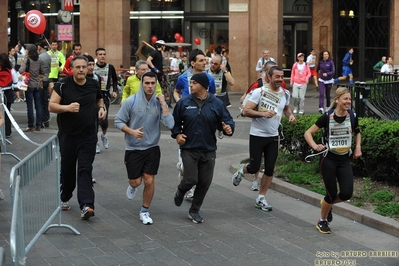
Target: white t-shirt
386, 68
311, 60
174, 64
268, 127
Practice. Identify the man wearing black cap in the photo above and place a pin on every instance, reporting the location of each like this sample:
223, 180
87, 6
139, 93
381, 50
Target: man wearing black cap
46, 62
197, 117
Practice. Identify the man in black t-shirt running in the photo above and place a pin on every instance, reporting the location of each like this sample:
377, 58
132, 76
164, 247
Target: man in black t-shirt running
79, 104
155, 59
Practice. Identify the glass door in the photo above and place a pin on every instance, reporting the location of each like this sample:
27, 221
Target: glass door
295, 40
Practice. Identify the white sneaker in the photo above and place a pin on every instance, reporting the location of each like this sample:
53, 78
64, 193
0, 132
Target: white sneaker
190, 193
65, 206
301, 112
93, 180
255, 185
145, 218
131, 192
98, 148
220, 134
179, 167
295, 111
321, 110
238, 175
105, 141
262, 204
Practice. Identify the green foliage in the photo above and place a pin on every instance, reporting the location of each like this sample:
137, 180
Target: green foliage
294, 141
380, 144
390, 209
368, 185
382, 196
298, 172
359, 204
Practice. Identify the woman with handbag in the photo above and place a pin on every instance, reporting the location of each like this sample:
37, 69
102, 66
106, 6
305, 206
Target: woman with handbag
34, 66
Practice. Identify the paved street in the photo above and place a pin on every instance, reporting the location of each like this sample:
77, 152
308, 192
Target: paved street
234, 232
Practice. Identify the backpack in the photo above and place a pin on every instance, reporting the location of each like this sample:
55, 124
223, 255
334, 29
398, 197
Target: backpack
5, 78
325, 130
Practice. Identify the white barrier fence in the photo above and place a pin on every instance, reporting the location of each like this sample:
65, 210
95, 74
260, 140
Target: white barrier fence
35, 197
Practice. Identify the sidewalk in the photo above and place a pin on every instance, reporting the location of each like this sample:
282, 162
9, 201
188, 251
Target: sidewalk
234, 232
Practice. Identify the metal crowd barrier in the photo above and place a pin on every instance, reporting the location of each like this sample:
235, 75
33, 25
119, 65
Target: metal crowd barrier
35, 197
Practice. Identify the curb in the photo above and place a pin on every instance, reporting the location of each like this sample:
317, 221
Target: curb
381, 223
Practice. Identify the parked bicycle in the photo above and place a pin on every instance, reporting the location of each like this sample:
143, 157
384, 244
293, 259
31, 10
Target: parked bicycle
122, 74
168, 85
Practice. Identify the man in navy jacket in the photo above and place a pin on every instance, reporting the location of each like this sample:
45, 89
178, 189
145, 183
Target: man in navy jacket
197, 117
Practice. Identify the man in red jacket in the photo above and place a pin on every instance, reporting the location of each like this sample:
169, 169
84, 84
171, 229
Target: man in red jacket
77, 50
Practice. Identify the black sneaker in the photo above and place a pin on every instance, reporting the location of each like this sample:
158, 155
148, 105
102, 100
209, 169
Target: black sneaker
323, 228
330, 216
195, 217
178, 198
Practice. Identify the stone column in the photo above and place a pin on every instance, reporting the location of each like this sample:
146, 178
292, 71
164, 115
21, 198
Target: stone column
144, 24
106, 24
322, 26
251, 31
394, 31
3, 26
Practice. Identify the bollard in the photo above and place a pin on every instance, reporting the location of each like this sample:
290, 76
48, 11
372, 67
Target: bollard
359, 91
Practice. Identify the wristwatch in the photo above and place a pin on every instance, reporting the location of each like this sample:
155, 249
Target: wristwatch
225, 71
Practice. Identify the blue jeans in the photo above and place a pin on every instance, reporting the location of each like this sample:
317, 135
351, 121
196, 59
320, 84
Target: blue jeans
34, 94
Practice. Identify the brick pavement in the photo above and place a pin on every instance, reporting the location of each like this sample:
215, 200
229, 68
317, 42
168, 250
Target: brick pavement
234, 232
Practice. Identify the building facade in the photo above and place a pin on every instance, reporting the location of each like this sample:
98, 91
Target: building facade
244, 27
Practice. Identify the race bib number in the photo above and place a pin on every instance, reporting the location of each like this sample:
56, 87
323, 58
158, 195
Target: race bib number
54, 60
340, 136
269, 100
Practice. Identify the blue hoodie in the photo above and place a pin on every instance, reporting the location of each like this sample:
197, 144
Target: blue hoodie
135, 112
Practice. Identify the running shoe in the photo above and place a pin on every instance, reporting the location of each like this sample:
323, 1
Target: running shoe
295, 111
195, 217
98, 150
65, 206
86, 213
131, 192
255, 185
262, 204
105, 141
220, 134
145, 218
321, 110
190, 193
238, 175
301, 112
179, 167
329, 216
323, 228
178, 198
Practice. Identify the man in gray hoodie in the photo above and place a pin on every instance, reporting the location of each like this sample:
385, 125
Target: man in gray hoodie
139, 118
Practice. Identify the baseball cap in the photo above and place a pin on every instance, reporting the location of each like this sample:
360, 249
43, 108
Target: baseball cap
300, 54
